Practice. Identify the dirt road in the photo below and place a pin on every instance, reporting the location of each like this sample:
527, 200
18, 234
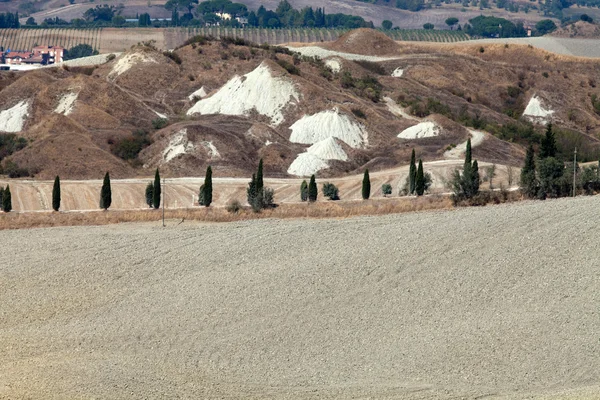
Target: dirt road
494, 302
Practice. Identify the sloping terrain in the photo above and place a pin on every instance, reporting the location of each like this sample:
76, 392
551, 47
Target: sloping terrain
502, 303
129, 194
266, 102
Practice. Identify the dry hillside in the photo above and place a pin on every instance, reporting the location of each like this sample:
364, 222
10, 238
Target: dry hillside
579, 29
229, 104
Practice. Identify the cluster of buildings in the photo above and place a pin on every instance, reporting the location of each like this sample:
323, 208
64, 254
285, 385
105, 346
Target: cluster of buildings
39, 55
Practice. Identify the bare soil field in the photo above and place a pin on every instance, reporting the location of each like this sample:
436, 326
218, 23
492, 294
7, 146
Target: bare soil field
498, 302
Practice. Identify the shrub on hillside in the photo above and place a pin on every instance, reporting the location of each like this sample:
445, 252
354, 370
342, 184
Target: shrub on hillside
233, 206
331, 191
386, 189
173, 56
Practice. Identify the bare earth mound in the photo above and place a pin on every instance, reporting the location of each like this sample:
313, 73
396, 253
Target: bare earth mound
493, 305
365, 41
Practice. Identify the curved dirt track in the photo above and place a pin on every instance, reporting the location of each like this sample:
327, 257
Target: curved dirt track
494, 302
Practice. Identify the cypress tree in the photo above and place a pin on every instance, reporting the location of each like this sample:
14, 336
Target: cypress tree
56, 194
1, 194
156, 191
548, 144
468, 154
251, 191
105, 193
149, 194
528, 181
6, 200
259, 177
206, 189
420, 181
313, 192
475, 177
412, 174
366, 185
304, 191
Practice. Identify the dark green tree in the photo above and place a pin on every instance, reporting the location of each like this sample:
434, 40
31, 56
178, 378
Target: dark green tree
156, 191
550, 172
1, 195
420, 182
149, 194
412, 173
528, 178
313, 192
105, 193
548, 144
386, 24
6, 200
366, 185
259, 177
56, 194
476, 179
205, 197
331, 191
304, 191
468, 154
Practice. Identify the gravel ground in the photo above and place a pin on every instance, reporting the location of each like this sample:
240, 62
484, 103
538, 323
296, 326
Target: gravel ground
497, 302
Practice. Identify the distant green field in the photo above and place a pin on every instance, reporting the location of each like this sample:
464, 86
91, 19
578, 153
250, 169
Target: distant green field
108, 40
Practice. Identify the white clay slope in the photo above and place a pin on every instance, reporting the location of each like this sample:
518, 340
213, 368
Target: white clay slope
334, 65
200, 94
534, 110
178, 145
311, 129
422, 130
125, 63
211, 150
13, 119
257, 90
398, 72
328, 149
307, 164
66, 104
316, 156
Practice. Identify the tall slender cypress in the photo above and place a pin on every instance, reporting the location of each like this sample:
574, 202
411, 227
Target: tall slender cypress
475, 177
251, 191
313, 192
412, 173
366, 185
548, 143
468, 154
149, 194
259, 177
56, 194
420, 181
105, 193
528, 179
156, 191
304, 191
207, 188
6, 200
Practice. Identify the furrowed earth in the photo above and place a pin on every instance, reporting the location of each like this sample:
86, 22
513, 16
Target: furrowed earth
500, 303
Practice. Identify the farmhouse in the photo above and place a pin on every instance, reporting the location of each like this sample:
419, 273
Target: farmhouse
43, 55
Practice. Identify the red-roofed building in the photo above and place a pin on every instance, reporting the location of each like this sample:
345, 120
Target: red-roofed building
45, 55
55, 54
17, 57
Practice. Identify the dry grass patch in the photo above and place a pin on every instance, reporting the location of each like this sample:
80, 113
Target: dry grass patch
325, 209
